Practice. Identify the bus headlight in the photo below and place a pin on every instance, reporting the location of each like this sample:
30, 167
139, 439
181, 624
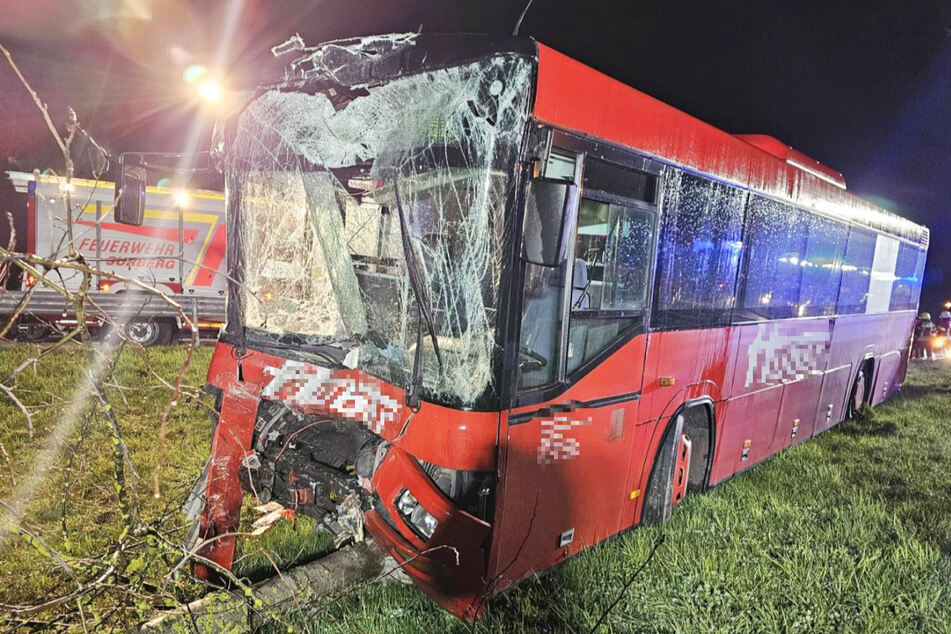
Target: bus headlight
413, 512
939, 342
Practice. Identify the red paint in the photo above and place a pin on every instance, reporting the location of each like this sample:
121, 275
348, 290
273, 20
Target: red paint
573, 96
571, 474
541, 496
681, 469
789, 154
452, 438
797, 413
31, 223
450, 567
213, 258
230, 445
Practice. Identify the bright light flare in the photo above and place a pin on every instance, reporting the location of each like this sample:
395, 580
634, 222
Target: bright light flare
181, 198
210, 91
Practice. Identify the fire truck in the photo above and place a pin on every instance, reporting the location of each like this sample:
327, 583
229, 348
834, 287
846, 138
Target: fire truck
179, 250
496, 307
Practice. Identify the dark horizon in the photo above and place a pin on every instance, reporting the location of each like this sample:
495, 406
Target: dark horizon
866, 90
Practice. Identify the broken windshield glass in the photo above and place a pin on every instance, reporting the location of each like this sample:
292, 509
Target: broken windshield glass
315, 184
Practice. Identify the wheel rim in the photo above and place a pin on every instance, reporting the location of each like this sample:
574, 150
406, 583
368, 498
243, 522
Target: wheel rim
858, 396
141, 332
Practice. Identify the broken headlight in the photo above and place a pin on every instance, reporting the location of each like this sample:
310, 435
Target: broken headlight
470, 490
415, 515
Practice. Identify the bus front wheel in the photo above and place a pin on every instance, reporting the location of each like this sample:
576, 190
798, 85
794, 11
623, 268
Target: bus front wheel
659, 496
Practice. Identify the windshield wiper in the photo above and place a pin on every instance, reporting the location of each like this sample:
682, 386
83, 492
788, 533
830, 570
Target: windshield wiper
326, 352
422, 307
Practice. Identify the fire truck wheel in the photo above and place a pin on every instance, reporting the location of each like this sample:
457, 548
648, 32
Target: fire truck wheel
150, 333
30, 330
658, 498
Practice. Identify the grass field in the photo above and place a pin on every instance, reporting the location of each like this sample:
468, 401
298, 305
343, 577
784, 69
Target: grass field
850, 532
92, 515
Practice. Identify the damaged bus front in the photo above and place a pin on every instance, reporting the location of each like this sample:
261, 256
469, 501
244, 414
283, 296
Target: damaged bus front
369, 194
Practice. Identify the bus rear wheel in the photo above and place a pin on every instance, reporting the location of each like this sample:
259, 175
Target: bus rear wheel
859, 395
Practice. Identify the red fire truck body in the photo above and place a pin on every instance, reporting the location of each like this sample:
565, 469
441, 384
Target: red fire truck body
678, 387
180, 250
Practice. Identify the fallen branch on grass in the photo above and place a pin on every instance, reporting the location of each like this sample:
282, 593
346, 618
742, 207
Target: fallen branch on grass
627, 584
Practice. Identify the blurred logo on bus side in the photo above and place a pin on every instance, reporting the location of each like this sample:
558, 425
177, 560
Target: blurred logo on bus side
788, 351
554, 445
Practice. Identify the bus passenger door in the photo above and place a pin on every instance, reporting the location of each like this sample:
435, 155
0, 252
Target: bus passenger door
564, 472
565, 459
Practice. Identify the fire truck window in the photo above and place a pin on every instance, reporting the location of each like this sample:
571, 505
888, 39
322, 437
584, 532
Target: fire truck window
540, 340
609, 279
701, 240
856, 272
907, 284
821, 267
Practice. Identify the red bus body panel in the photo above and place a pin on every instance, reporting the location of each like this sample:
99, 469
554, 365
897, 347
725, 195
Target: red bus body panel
572, 470
446, 437
576, 97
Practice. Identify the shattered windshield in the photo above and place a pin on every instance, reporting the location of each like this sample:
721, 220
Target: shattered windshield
319, 180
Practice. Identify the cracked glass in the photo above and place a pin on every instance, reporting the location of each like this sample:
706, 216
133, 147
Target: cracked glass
319, 178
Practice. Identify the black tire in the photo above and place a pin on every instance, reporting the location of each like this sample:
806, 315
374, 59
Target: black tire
149, 333
31, 330
658, 498
859, 394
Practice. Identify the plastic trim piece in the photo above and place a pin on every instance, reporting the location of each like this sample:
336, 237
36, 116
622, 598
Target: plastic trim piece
557, 408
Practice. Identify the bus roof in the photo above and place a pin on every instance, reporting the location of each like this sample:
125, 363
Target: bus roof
573, 96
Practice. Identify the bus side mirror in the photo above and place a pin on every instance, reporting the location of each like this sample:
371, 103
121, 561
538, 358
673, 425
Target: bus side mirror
130, 195
549, 213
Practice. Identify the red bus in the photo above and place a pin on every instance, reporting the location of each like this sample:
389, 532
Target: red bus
496, 307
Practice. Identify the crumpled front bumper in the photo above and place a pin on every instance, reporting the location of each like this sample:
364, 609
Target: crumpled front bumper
450, 567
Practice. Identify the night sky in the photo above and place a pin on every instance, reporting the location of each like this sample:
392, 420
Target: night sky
864, 87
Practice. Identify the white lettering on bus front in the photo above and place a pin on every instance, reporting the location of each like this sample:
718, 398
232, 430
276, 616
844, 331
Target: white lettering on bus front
306, 385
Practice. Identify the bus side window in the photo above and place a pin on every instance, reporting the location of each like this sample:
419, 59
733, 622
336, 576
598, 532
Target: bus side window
540, 339
612, 259
777, 245
609, 287
821, 267
856, 272
701, 241
907, 285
